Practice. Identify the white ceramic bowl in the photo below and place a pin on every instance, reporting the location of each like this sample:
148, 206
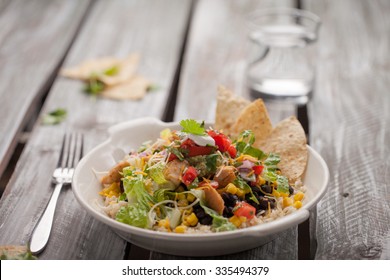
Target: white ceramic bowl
130, 135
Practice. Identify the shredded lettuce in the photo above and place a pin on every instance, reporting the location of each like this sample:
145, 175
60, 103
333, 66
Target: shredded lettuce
156, 173
140, 201
133, 214
282, 184
272, 161
282, 181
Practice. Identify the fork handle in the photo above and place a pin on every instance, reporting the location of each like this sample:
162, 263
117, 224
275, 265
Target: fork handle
41, 233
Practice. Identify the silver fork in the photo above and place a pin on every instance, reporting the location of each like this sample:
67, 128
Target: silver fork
71, 153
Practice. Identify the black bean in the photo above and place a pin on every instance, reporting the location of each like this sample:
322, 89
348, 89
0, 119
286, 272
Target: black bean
200, 214
264, 203
207, 220
266, 189
229, 199
228, 211
291, 190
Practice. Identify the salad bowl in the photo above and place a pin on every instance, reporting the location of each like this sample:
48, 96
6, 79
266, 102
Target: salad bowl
130, 135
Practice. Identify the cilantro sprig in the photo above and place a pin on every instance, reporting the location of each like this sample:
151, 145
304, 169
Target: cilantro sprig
193, 127
54, 117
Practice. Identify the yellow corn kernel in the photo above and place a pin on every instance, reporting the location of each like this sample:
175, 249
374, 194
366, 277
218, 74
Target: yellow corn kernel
275, 193
164, 223
297, 204
240, 192
287, 201
283, 194
192, 219
231, 188
235, 221
190, 197
182, 203
299, 196
180, 196
180, 229
260, 180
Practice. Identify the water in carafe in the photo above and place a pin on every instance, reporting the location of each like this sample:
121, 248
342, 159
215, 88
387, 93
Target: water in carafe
281, 67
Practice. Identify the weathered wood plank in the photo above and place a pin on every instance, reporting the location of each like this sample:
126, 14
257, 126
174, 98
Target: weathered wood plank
34, 36
216, 55
155, 29
350, 127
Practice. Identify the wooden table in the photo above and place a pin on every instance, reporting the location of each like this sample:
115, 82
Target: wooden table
188, 48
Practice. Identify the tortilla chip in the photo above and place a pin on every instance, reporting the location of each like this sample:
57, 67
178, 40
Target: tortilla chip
254, 117
288, 139
229, 108
133, 89
126, 69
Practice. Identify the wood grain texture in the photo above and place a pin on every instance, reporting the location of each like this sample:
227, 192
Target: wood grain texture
350, 116
155, 29
216, 55
34, 37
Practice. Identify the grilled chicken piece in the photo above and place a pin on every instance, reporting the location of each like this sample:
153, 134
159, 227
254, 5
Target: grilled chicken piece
113, 175
225, 175
213, 199
174, 170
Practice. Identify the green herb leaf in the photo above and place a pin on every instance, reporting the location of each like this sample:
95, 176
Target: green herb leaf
244, 145
193, 127
212, 162
94, 87
112, 71
176, 152
54, 117
153, 87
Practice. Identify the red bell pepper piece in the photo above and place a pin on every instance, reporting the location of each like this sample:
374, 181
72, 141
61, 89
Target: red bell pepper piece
221, 140
244, 209
232, 151
189, 175
258, 169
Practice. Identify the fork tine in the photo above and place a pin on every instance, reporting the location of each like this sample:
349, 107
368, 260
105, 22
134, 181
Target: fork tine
68, 149
77, 149
82, 146
59, 163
